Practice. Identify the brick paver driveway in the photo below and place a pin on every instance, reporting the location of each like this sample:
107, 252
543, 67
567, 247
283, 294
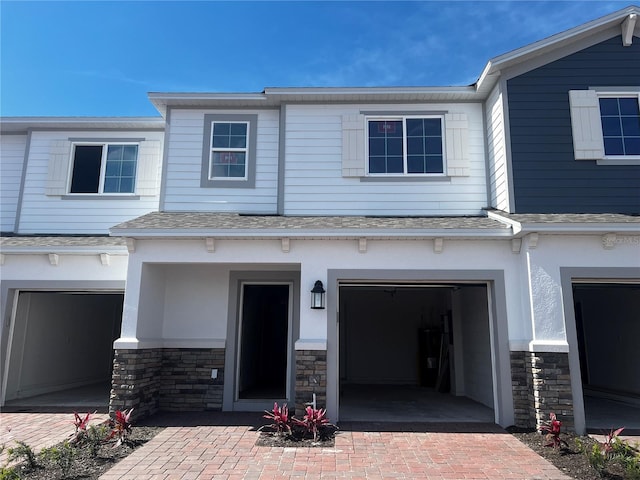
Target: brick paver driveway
223, 448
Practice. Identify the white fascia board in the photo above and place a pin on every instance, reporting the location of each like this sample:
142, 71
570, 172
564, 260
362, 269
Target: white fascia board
548, 44
24, 123
346, 91
341, 233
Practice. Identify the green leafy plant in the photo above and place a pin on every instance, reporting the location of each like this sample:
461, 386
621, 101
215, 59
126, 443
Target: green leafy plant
553, 429
23, 453
120, 426
95, 437
9, 473
313, 421
63, 455
281, 421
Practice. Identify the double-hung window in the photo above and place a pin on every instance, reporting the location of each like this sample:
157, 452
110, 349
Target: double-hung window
405, 145
104, 168
229, 150
620, 116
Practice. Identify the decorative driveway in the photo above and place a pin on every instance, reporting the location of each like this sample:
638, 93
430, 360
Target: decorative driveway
222, 447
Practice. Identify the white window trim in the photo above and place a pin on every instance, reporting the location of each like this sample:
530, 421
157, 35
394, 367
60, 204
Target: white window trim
212, 150
103, 168
617, 159
404, 119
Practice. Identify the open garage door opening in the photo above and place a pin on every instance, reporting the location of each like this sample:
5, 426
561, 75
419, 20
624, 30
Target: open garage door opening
415, 352
61, 349
608, 328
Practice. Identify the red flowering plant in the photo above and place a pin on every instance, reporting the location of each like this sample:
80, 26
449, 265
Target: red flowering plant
553, 429
120, 426
281, 421
314, 421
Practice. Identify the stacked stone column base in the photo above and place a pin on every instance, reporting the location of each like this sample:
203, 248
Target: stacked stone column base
541, 384
311, 377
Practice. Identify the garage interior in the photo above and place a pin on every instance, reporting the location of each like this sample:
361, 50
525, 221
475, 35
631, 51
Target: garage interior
415, 352
61, 349
608, 328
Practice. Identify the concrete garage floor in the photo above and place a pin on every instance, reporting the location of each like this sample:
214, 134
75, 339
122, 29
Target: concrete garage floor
394, 403
603, 414
87, 398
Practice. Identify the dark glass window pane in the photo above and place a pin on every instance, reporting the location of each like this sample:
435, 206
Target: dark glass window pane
613, 146
126, 185
220, 171
415, 164
111, 185
377, 165
239, 129
223, 129
377, 146
432, 127
221, 141
394, 146
433, 146
609, 106
237, 141
113, 169
86, 169
130, 152
128, 169
415, 145
236, 170
628, 106
611, 126
434, 164
632, 146
114, 152
394, 165
631, 126
415, 127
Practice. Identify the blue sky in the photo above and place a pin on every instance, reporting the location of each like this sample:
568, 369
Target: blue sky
89, 58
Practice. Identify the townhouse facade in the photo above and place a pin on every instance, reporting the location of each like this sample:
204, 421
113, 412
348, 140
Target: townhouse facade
293, 244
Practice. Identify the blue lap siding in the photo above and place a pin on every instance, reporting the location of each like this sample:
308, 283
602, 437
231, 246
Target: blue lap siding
546, 177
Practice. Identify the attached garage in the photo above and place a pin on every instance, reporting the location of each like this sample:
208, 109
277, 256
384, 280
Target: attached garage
608, 328
415, 350
61, 341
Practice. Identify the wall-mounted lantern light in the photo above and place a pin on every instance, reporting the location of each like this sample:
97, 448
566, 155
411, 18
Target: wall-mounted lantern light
317, 295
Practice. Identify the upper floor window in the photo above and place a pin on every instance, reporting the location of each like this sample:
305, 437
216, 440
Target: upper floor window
229, 148
405, 146
620, 118
104, 168
605, 125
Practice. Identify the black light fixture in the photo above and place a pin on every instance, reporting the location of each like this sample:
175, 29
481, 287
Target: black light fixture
317, 295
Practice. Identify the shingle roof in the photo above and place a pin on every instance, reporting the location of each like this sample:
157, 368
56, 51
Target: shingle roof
212, 223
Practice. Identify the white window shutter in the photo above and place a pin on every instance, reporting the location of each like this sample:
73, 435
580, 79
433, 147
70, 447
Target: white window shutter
353, 161
457, 144
58, 172
148, 168
586, 125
